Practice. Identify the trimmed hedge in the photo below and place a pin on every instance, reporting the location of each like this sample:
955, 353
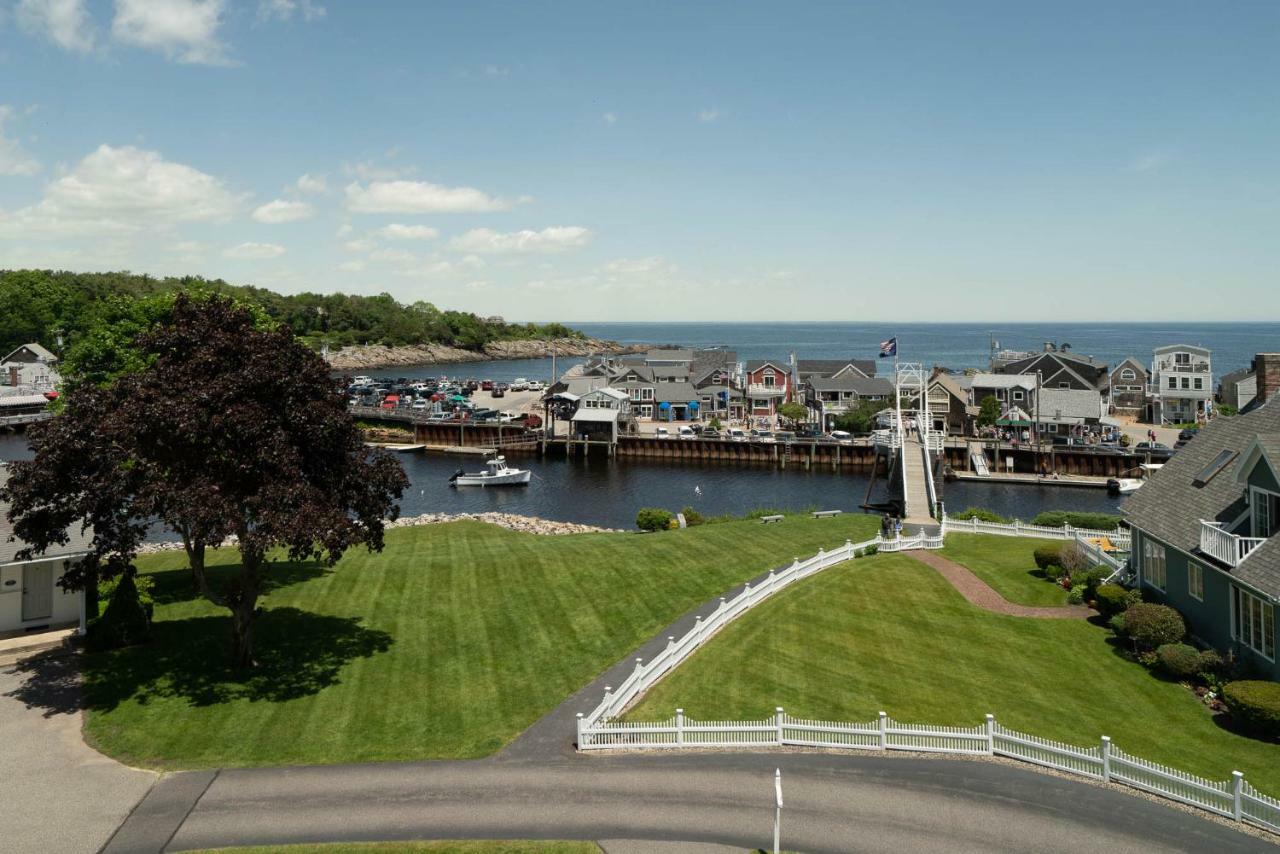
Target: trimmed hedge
1048, 555
1062, 518
1151, 626
654, 519
1111, 598
1254, 705
1179, 660
982, 514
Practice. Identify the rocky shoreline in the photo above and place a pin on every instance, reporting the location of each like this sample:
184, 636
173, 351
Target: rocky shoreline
510, 521
365, 356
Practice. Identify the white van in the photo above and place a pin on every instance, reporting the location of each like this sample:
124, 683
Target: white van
736, 435
662, 433
687, 433
842, 436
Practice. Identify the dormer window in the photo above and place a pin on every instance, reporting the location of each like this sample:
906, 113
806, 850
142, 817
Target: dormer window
1128, 374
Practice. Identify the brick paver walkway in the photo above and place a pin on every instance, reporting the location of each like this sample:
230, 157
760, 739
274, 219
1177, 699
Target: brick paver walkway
981, 594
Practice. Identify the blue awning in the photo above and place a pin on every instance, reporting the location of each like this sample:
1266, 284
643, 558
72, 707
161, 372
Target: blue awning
693, 404
664, 405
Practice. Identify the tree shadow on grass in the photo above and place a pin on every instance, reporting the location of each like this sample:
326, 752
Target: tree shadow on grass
176, 585
299, 654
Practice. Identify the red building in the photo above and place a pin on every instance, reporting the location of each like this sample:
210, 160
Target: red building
768, 387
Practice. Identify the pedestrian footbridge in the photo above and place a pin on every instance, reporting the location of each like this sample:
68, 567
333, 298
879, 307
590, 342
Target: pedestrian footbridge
914, 448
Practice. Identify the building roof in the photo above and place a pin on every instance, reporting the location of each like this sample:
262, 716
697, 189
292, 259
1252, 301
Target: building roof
1069, 405
1003, 381
616, 394
644, 373
78, 543
1181, 348
595, 414
1236, 376
1130, 362
35, 349
828, 367
676, 393
1170, 505
863, 386
757, 364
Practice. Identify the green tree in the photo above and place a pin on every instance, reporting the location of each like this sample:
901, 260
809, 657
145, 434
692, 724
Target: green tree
796, 413
860, 419
988, 411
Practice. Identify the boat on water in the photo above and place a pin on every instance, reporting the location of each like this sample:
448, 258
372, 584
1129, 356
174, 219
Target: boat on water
496, 473
1128, 485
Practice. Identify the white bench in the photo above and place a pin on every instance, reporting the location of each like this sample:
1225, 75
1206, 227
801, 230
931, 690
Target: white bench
767, 519
823, 514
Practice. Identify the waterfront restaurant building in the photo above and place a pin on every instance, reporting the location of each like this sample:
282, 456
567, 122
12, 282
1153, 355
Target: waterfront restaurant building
30, 598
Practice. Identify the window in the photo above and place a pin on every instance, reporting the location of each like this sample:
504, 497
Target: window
1195, 580
1153, 564
1266, 510
1199, 383
1173, 382
1064, 385
1128, 374
1255, 623
646, 394
1186, 383
1017, 395
1182, 358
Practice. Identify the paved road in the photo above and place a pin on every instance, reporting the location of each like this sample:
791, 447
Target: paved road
834, 804
56, 793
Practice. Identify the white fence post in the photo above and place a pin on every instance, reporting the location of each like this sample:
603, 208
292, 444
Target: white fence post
772, 581
1106, 759
723, 604
1017, 528
821, 557
884, 731
1237, 787
848, 549
991, 734
1066, 528
679, 727
778, 715
580, 725
697, 627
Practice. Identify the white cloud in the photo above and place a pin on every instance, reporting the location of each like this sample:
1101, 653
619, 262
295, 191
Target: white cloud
395, 256
187, 246
362, 244
125, 189
64, 22
312, 185
610, 118
13, 159
639, 266
397, 231
351, 266
285, 10
709, 114
421, 197
254, 251
370, 170
281, 210
1153, 161
486, 241
495, 71
345, 230
184, 30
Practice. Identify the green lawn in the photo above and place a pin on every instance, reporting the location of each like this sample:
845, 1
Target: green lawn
1007, 564
472, 846
448, 644
888, 633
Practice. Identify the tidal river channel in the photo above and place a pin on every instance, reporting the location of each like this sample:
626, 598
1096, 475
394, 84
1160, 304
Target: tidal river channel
608, 492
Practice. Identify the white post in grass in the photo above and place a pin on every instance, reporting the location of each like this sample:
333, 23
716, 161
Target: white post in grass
1106, 759
991, 734
580, 725
884, 731
777, 810
777, 713
679, 727
1237, 795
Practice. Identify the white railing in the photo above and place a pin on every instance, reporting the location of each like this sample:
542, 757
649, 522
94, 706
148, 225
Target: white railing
761, 390
1120, 538
1234, 798
1224, 546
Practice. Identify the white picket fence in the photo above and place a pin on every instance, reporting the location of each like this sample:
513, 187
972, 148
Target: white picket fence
601, 730
1120, 538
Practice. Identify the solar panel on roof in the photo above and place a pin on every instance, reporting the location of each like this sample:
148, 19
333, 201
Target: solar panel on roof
1216, 465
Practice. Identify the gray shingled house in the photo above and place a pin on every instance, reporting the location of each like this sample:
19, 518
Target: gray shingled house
1204, 534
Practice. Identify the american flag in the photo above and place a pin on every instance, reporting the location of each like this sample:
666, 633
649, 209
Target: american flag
889, 348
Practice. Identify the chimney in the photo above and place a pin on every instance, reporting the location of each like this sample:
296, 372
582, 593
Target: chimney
1267, 367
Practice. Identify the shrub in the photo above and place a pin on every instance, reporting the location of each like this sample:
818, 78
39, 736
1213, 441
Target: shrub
144, 584
1076, 596
1254, 705
1150, 625
1211, 665
1179, 660
981, 514
1117, 625
1073, 559
1111, 600
692, 517
871, 549
1053, 572
1133, 597
1047, 556
1060, 518
654, 519
125, 622
1091, 580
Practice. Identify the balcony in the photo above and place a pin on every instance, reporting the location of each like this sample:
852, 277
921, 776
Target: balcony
1225, 547
758, 390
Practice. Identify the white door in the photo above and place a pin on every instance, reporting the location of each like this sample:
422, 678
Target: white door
37, 592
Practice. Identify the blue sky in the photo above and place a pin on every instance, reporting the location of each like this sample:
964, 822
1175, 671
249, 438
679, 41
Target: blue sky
655, 161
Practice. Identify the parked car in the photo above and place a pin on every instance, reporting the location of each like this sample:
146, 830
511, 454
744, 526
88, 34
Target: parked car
533, 422
421, 404
662, 433
520, 384
844, 437
736, 434
486, 385
499, 391
785, 436
809, 433
765, 436
535, 385
1155, 449
391, 401
710, 433
687, 433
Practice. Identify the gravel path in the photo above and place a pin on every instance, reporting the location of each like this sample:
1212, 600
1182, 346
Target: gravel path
979, 593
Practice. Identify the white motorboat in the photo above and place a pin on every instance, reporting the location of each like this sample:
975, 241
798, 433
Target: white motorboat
1129, 485
496, 473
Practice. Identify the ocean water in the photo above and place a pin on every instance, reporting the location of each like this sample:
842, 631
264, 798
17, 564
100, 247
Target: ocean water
953, 345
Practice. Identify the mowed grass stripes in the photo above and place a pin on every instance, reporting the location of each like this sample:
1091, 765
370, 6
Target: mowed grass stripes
888, 633
447, 644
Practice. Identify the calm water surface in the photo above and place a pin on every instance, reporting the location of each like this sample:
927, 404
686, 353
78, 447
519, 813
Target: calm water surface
608, 492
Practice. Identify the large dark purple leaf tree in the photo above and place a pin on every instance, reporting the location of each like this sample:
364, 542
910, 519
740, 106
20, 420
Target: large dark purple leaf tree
229, 430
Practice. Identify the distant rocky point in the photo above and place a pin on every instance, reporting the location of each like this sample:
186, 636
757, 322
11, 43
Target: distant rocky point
363, 356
